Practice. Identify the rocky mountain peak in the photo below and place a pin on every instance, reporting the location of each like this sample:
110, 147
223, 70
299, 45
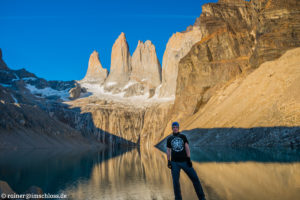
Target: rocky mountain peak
95, 72
148, 43
122, 36
231, 1
2, 63
120, 63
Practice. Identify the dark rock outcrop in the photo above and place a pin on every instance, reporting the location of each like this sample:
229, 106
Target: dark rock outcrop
2, 63
5, 188
6, 191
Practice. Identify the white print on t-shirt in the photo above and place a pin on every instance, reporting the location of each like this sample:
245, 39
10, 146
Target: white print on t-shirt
177, 144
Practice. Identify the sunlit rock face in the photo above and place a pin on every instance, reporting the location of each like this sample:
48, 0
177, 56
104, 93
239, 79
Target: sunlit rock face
145, 65
146, 71
133, 76
138, 124
277, 29
177, 47
95, 73
155, 121
222, 54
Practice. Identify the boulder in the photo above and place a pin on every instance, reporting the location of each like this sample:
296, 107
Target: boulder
76, 91
5, 188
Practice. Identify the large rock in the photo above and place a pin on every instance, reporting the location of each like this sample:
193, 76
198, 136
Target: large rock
134, 89
120, 68
145, 65
178, 46
5, 188
76, 91
36, 191
95, 73
2, 63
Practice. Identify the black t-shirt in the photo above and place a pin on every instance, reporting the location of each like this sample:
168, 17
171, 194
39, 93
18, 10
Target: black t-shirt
177, 145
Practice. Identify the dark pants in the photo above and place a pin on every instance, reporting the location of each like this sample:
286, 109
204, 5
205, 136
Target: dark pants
176, 166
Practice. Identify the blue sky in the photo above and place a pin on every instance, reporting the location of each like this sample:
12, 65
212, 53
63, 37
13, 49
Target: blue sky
54, 38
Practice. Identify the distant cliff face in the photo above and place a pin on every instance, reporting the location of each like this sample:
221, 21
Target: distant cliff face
143, 124
237, 37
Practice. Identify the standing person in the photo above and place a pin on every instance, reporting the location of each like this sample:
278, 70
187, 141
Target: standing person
178, 154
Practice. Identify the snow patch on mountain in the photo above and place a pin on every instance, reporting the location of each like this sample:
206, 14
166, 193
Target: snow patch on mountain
98, 91
47, 92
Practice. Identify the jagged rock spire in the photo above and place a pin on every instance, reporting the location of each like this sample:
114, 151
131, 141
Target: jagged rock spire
145, 65
120, 68
95, 72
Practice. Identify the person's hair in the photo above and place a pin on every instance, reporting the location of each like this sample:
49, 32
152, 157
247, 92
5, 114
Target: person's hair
175, 124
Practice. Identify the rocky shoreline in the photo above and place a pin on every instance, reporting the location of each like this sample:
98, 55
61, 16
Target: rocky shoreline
241, 137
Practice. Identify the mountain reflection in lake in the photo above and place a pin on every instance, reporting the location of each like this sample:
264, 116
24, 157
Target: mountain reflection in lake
143, 174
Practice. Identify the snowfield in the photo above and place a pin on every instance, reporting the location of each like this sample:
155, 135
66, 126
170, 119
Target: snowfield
98, 91
46, 92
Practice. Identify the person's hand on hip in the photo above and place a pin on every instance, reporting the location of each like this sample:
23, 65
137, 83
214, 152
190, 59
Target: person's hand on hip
189, 162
